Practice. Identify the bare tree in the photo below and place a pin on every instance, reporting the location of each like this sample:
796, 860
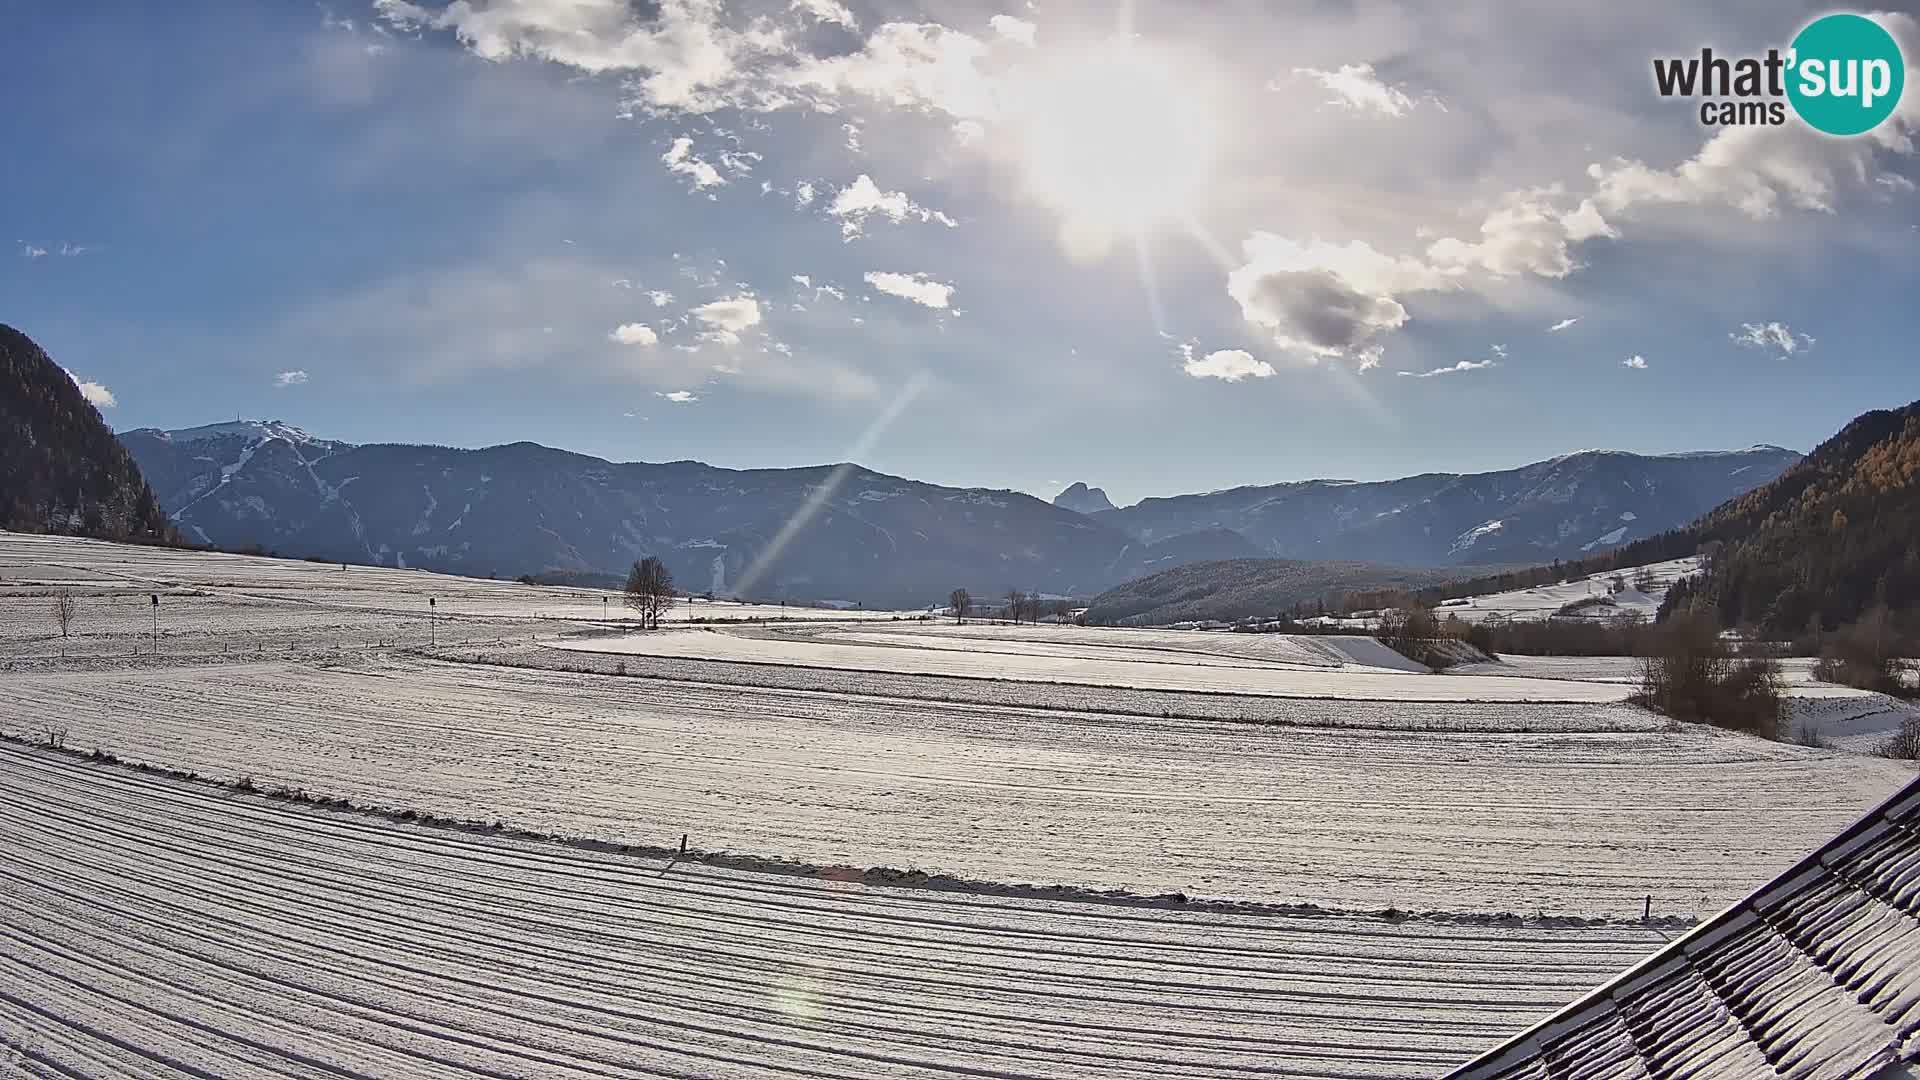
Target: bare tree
1016, 605
1063, 610
63, 611
649, 591
962, 603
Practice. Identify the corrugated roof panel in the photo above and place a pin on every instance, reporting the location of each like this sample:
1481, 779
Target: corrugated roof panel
1601, 1050
1686, 1031
1814, 976
1804, 1023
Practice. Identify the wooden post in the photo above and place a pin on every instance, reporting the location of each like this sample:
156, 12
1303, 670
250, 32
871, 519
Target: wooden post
1647, 914
683, 845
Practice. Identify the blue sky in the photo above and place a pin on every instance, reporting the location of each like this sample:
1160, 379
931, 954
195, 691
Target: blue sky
1241, 244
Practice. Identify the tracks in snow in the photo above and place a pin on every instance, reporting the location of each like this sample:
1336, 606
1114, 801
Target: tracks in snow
161, 928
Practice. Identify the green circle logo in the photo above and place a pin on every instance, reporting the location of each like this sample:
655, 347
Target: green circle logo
1845, 74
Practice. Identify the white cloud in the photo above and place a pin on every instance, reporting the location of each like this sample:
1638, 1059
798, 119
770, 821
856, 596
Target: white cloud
635, 334
731, 315
1636, 362
96, 394
862, 199
686, 58
1227, 365
922, 67
28, 251
296, 377
1454, 369
1525, 234
681, 160
804, 193
678, 397
1563, 324
826, 11
1771, 337
917, 287
660, 297
1326, 301
1322, 300
1018, 30
1355, 86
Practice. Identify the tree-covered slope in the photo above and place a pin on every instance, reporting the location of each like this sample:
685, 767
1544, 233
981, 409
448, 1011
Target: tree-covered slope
61, 469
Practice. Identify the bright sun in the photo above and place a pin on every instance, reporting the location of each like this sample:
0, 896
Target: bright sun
1116, 140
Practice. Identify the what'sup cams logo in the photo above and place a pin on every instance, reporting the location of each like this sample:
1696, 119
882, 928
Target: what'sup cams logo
1843, 75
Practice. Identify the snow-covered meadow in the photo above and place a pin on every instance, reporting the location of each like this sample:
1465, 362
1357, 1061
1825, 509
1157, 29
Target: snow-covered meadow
212, 603
154, 927
1545, 600
1522, 813
1354, 669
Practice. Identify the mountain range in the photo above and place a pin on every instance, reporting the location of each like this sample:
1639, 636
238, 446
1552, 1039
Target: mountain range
844, 532
1564, 507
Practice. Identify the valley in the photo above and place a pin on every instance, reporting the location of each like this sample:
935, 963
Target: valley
1153, 832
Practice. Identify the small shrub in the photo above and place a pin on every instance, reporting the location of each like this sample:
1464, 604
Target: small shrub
1805, 734
1904, 743
1586, 603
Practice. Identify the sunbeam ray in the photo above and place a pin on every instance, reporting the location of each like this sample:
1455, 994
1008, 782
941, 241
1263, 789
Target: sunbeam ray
817, 498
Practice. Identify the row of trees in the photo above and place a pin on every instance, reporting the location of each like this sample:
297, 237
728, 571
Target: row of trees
1020, 606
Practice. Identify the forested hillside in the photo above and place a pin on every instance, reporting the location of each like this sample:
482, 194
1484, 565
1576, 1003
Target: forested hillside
61, 469
1832, 537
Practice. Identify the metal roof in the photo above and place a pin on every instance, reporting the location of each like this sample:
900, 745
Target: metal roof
1815, 975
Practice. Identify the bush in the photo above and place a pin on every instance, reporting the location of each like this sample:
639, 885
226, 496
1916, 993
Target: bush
1905, 743
1416, 634
1868, 654
1691, 675
1586, 603
1623, 635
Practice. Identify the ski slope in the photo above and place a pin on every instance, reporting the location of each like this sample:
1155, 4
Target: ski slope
1420, 810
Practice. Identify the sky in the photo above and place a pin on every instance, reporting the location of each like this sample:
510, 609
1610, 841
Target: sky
1155, 247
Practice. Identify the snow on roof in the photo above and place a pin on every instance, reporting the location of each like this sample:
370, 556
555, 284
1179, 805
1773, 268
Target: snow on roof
1817, 974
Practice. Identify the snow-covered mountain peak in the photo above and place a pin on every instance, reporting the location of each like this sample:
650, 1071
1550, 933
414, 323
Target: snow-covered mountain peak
252, 430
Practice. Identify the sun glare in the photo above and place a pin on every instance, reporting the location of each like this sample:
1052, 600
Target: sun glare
1116, 139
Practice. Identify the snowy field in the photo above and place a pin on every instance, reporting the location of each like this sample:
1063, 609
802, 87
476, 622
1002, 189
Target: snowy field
158, 928
215, 603
1318, 673
1845, 717
1544, 601
1566, 822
